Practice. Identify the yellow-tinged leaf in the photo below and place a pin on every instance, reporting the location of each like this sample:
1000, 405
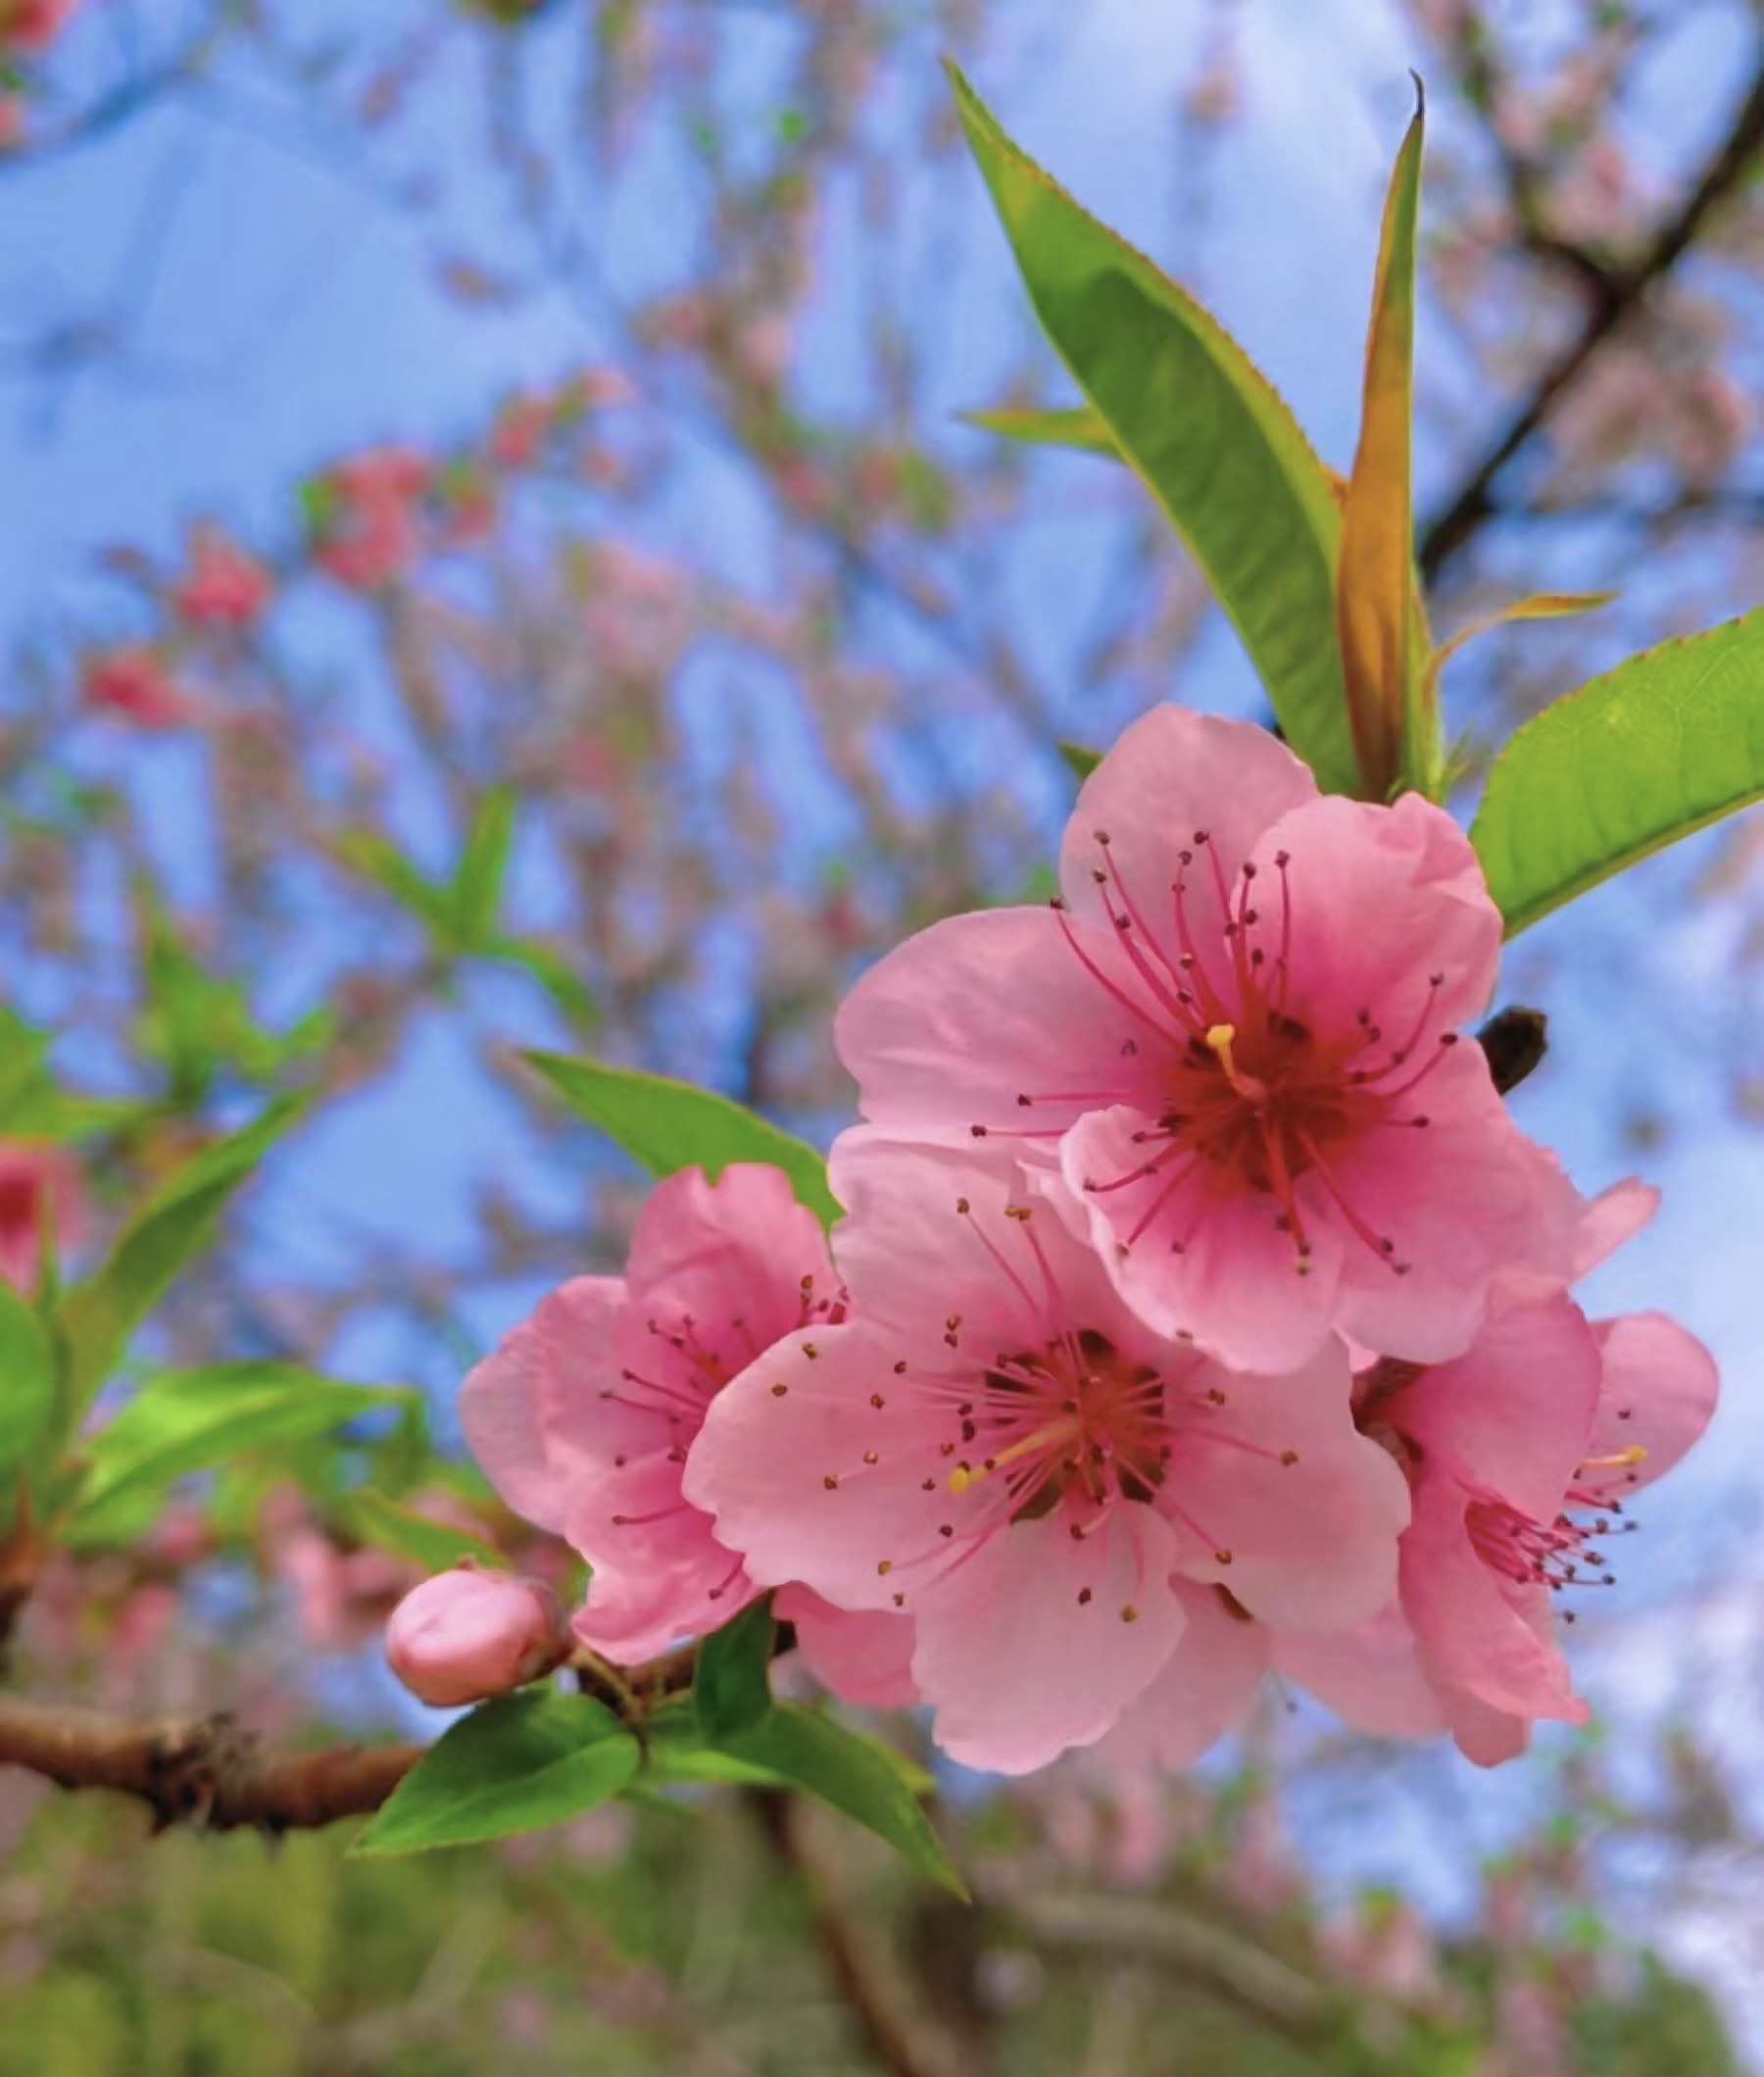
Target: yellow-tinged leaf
1388, 700
1540, 606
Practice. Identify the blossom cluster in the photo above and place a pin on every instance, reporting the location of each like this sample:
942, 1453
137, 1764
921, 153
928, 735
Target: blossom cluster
1198, 1312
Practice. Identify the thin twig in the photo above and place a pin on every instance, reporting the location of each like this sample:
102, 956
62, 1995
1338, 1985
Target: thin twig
1473, 504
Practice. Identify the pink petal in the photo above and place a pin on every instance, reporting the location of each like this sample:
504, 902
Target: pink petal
1614, 1216
1485, 1734
1513, 1418
529, 1408
1460, 1200
1381, 899
1016, 1666
1370, 1676
1313, 1543
1209, 1265
955, 1024
783, 1473
864, 1657
910, 1257
633, 1616
1476, 1631
1658, 1395
730, 1256
1171, 773
1207, 1687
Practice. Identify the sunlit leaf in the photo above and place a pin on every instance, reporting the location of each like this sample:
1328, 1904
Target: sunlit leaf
669, 1125
190, 1421
521, 1763
1205, 431
436, 1546
98, 1317
26, 1384
478, 885
556, 974
1660, 747
387, 866
1079, 428
856, 1775
1540, 606
1395, 730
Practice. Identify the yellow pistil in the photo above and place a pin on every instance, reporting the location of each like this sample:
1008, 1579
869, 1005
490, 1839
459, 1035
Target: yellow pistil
1220, 1038
1618, 1461
1058, 1431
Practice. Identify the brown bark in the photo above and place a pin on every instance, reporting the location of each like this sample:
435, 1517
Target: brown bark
206, 1771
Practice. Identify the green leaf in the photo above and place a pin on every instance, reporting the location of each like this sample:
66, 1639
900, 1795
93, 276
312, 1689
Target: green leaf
854, 1774
1384, 649
1083, 762
1540, 606
436, 1546
669, 1125
732, 1682
98, 1317
1080, 429
477, 889
390, 870
555, 973
517, 1764
1655, 750
26, 1383
191, 1420
1203, 429
678, 1756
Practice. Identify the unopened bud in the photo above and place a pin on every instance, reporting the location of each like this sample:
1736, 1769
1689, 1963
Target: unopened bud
465, 1635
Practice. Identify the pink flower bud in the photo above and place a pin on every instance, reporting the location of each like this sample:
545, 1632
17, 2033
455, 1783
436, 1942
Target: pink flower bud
465, 1636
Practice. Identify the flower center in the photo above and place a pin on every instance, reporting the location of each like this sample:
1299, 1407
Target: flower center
1253, 1100
1561, 1552
1074, 1419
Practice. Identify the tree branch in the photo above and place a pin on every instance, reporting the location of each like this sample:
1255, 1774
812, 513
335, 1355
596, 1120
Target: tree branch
207, 1771
1450, 531
902, 2039
213, 1773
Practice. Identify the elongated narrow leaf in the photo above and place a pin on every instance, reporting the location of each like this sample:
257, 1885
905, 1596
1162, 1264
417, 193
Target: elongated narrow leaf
1662, 746
518, 1764
1080, 427
853, 1774
98, 1317
1394, 733
483, 866
669, 1125
389, 870
1081, 760
1540, 606
436, 1546
555, 973
732, 1681
26, 1385
190, 1421
1202, 426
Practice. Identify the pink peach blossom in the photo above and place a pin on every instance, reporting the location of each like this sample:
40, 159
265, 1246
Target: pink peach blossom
584, 1416
224, 585
465, 1636
1521, 1456
1236, 1040
41, 1190
997, 1445
371, 536
135, 684
27, 27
